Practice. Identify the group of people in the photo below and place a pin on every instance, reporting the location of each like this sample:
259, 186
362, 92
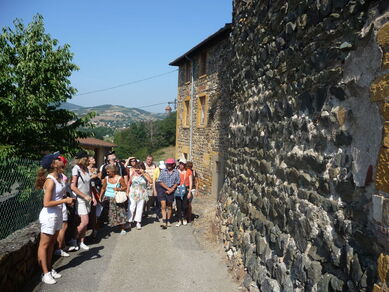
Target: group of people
123, 192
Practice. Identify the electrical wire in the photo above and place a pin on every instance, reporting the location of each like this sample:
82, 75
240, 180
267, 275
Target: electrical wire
127, 83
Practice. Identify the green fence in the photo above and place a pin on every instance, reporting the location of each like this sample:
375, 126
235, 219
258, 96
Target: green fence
20, 203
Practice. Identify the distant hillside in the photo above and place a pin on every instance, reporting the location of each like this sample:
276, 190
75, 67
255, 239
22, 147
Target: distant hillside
113, 116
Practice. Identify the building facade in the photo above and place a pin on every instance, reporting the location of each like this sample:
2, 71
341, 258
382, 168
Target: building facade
201, 105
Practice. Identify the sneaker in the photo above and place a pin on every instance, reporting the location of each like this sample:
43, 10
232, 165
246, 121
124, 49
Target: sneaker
73, 248
138, 226
73, 245
178, 224
84, 246
123, 232
169, 224
55, 275
184, 222
48, 279
61, 253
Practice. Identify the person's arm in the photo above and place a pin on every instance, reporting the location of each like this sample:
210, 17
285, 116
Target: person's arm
190, 186
172, 189
103, 188
76, 190
48, 190
147, 177
122, 187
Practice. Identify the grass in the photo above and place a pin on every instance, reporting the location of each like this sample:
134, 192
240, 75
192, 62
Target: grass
164, 153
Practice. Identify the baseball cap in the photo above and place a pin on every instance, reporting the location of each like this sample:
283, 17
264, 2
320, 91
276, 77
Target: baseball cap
48, 159
170, 161
162, 165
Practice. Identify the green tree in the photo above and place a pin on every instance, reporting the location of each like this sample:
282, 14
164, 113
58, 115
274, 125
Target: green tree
34, 81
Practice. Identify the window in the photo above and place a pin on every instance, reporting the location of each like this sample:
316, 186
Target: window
202, 111
186, 115
188, 72
203, 63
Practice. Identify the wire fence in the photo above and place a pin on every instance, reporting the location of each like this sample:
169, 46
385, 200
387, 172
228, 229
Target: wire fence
20, 202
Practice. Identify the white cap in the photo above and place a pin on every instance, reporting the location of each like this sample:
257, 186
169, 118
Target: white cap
162, 165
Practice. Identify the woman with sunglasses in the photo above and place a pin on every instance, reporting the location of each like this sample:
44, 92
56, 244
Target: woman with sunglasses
50, 180
138, 194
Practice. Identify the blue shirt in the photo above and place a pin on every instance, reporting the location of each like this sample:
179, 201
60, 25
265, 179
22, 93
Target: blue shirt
169, 179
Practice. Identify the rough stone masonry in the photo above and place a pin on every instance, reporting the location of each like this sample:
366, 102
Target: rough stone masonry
305, 204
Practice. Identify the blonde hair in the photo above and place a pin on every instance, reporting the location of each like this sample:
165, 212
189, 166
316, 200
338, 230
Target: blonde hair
112, 168
83, 161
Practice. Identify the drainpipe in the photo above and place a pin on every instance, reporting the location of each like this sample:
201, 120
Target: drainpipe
191, 111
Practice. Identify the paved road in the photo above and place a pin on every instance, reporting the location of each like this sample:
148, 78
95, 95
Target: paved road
150, 259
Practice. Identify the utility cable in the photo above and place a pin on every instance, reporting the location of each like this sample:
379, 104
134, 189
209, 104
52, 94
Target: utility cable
127, 83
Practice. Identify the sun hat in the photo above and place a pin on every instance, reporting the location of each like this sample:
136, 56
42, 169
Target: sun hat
170, 161
162, 165
131, 158
81, 154
48, 159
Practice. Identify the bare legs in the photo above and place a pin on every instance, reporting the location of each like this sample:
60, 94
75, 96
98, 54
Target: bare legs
45, 251
81, 229
169, 208
61, 235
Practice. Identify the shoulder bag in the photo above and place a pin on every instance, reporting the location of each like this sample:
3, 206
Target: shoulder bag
120, 196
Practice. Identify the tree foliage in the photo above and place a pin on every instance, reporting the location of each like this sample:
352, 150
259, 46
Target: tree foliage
143, 138
34, 80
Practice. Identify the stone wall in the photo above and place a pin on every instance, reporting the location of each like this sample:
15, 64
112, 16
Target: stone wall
209, 139
18, 257
303, 207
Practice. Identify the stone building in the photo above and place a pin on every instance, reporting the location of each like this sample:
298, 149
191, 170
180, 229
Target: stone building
201, 108
305, 203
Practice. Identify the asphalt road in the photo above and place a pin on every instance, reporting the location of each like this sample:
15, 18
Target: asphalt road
150, 259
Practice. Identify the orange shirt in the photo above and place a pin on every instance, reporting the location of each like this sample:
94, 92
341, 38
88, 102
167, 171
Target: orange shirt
184, 175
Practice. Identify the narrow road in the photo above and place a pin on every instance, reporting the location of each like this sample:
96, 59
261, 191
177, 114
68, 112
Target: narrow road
150, 259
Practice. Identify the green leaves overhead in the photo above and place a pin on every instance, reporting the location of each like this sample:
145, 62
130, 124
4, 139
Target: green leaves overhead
34, 72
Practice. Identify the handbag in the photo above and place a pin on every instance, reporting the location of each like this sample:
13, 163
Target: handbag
120, 196
180, 191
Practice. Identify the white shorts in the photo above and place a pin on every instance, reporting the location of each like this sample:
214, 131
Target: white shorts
64, 213
83, 207
50, 223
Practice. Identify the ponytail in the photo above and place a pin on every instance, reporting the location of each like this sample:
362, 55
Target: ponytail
40, 178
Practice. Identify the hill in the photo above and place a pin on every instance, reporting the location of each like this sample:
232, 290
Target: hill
113, 116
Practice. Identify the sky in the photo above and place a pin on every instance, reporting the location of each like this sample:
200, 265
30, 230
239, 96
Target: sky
121, 41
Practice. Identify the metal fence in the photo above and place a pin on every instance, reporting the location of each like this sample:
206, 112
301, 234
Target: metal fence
20, 202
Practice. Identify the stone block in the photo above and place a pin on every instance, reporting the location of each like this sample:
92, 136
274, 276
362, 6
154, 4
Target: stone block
383, 267
379, 89
377, 207
385, 211
384, 109
383, 36
385, 61
385, 141
382, 175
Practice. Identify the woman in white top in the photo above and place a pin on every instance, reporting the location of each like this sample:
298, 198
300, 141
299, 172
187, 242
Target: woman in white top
81, 188
50, 218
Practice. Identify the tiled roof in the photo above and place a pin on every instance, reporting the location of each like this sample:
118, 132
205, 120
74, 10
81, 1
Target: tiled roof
221, 34
95, 142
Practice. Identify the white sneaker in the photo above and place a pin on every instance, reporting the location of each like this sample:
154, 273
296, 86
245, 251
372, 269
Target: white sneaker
84, 246
48, 279
61, 253
138, 226
169, 224
73, 245
55, 275
73, 248
178, 224
123, 232
184, 222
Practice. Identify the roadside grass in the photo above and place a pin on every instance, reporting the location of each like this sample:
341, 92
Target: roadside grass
164, 153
